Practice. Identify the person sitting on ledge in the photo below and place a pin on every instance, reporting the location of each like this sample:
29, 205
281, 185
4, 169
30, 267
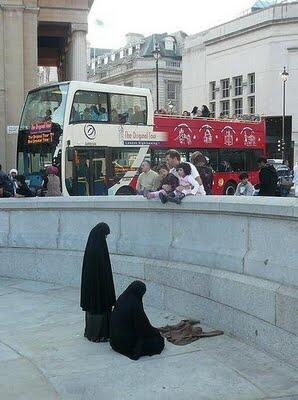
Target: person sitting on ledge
168, 183
131, 332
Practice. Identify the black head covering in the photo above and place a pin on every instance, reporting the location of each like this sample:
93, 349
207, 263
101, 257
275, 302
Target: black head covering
137, 288
97, 286
130, 326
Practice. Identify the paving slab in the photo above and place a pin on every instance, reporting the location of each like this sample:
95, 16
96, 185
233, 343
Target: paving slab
44, 356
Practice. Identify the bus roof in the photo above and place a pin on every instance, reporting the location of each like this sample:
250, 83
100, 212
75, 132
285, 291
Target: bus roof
93, 86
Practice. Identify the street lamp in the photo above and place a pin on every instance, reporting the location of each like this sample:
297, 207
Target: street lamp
156, 55
284, 78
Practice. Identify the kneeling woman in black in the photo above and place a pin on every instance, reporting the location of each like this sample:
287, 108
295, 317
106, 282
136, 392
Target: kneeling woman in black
131, 332
97, 286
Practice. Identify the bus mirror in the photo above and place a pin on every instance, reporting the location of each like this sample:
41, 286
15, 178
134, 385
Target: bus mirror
69, 153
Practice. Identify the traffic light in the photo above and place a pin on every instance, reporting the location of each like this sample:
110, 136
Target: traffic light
280, 145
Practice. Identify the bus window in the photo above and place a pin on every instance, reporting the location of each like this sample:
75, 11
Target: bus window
211, 156
128, 109
232, 160
45, 105
122, 161
89, 107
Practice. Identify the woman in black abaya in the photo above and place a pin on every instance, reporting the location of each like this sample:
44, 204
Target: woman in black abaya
131, 332
97, 286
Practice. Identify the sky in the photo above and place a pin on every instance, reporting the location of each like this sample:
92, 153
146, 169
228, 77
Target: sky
110, 21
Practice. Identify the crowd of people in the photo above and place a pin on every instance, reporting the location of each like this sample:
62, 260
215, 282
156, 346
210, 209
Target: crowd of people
15, 185
171, 181
174, 180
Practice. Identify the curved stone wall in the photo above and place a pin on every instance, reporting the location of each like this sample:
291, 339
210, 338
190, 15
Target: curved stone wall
230, 262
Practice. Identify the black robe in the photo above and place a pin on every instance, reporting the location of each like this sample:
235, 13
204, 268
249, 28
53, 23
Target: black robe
97, 286
131, 333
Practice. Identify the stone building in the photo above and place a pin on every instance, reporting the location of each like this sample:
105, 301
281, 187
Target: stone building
236, 67
134, 65
50, 33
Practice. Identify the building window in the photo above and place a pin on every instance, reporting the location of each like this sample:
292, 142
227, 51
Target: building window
106, 60
251, 105
130, 50
130, 84
212, 107
238, 86
212, 90
113, 57
251, 83
238, 107
225, 88
172, 90
121, 54
169, 43
225, 108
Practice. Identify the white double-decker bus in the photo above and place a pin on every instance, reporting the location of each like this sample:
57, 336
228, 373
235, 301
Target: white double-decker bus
96, 134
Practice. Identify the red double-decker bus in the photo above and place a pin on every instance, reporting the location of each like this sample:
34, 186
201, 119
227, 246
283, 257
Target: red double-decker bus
231, 147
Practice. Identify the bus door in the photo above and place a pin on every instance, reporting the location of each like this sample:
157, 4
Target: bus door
89, 172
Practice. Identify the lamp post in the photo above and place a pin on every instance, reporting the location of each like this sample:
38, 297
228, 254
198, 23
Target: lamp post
284, 78
156, 55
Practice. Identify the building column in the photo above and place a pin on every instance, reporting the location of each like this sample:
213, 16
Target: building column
30, 49
2, 95
78, 52
13, 77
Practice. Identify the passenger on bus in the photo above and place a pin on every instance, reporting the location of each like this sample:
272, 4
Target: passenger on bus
205, 111
131, 332
97, 285
103, 116
114, 116
94, 113
196, 113
147, 180
48, 116
168, 182
87, 114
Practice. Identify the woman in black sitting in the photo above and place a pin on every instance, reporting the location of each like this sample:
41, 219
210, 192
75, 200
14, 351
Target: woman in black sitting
131, 332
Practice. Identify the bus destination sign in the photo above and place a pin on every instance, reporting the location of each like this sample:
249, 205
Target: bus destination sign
40, 138
41, 127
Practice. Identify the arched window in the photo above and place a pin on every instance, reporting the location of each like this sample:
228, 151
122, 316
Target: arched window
170, 43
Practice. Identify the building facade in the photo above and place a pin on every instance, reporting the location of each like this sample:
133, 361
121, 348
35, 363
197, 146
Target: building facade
236, 67
50, 33
135, 65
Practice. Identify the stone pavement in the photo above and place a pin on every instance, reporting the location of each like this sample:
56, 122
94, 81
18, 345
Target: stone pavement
44, 356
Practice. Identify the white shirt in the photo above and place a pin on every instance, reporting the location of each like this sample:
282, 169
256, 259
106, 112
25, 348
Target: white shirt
194, 174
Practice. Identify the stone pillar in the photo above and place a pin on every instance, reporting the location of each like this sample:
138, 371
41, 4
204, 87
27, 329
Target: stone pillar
14, 75
2, 95
30, 49
78, 52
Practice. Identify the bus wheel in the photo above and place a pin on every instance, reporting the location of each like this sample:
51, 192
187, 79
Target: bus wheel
125, 191
230, 189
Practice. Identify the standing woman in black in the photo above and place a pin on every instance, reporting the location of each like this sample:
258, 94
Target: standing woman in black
97, 286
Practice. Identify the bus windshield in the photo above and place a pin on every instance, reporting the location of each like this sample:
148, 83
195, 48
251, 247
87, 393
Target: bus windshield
40, 131
46, 104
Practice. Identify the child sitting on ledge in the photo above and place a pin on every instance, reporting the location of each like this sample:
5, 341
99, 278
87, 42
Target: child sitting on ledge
168, 183
188, 186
